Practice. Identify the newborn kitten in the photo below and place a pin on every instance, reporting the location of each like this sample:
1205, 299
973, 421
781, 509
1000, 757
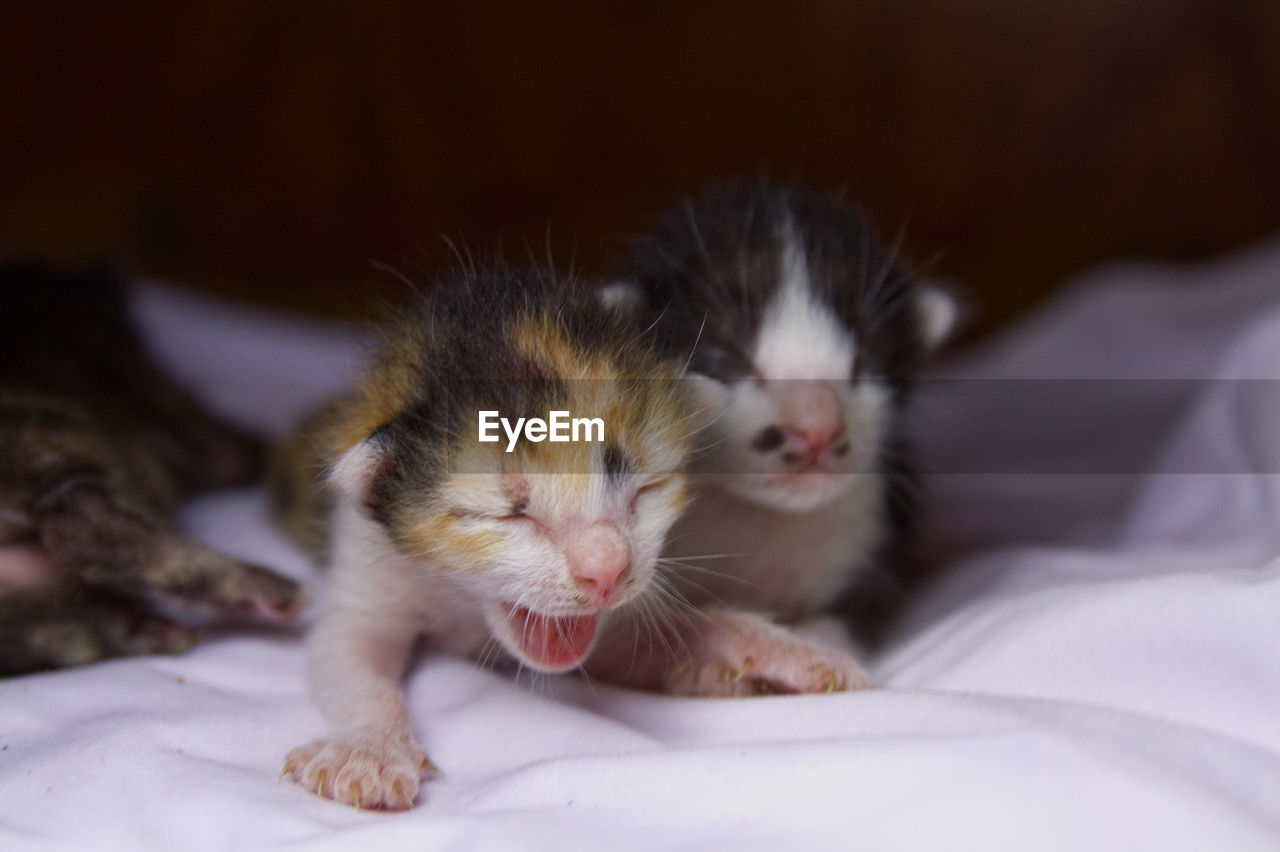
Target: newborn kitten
97, 449
520, 546
803, 336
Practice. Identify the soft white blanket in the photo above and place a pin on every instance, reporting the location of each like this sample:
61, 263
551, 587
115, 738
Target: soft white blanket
1099, 667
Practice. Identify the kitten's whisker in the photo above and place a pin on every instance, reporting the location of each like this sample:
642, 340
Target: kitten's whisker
702, 569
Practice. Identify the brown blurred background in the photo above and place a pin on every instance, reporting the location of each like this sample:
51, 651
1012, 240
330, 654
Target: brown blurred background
269, 150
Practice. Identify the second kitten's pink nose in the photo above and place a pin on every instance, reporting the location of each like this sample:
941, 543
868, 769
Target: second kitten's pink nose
815, 441
599, 560
809, 411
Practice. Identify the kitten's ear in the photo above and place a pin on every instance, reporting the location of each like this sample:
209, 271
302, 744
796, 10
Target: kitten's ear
359, 467
937, 313
624, 298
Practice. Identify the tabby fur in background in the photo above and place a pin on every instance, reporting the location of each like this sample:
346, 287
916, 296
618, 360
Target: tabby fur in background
98, 447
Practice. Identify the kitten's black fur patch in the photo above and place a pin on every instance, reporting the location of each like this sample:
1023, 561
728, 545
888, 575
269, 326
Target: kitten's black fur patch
465, 361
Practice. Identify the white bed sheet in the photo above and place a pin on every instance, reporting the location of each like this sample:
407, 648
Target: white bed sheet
1099, 667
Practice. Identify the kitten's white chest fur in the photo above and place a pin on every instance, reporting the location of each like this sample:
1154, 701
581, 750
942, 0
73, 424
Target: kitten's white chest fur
786, 564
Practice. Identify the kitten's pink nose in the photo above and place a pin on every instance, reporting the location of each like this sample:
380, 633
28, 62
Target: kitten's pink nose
809, 411
814, 441
599, 560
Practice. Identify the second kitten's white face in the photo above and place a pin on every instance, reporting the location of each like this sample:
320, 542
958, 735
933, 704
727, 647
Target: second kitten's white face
808, 418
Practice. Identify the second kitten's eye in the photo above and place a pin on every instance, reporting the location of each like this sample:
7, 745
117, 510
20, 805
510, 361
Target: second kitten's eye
714, 361
518, 508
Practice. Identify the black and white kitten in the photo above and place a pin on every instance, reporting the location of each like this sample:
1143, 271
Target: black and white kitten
803, 336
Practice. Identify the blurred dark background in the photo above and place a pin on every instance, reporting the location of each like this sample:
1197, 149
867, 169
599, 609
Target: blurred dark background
268, 151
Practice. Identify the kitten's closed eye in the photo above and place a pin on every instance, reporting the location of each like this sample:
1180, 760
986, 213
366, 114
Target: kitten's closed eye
470, 513
652, 484
650, 487
720, 362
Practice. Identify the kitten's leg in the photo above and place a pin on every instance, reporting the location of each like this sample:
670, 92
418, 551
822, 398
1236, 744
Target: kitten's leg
54, 627
370, 760
108, 541
724, 652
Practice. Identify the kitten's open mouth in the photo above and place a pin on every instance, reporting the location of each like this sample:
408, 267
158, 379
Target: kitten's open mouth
552, 641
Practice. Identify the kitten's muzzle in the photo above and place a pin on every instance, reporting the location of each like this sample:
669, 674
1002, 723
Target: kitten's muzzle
599, 558
810, 424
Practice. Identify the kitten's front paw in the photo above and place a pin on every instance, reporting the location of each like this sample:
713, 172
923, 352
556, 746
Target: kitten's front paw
260, 594
216, 586
764, 661
379, 775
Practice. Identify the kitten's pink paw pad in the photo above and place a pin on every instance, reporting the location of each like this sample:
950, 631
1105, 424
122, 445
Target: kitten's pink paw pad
362, 774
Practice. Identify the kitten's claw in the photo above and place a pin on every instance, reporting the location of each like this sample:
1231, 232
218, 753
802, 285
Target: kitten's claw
366, 773
408, 800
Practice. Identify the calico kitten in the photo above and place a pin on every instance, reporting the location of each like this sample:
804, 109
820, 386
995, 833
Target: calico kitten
522, 547
97, 449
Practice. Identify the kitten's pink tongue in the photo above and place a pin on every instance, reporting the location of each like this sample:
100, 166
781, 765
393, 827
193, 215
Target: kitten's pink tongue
553, 641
